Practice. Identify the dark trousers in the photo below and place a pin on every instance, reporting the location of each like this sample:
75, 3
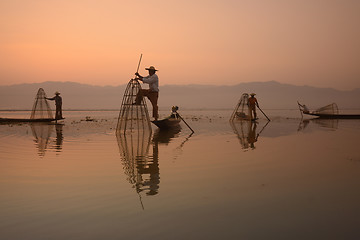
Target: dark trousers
152, 96
58, 113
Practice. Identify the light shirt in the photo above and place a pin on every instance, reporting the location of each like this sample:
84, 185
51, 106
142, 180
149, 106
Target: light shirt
153, 82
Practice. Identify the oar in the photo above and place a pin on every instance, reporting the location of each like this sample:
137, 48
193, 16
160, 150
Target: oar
185, 122
264, 114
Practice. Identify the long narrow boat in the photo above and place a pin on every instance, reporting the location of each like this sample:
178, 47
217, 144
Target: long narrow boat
173, 121
334, 116
330, 111
24, 120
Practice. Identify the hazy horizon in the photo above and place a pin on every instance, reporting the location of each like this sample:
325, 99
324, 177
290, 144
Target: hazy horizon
197, 42
189, 84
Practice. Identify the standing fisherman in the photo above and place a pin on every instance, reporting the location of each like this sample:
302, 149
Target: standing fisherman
253, 103
58, 104
152, 93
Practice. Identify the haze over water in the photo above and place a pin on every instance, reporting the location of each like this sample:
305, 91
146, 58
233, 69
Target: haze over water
284, 179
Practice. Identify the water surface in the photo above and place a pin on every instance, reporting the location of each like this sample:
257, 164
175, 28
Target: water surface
284, 179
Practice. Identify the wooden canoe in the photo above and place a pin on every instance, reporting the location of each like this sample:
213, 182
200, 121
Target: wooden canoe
173, 121
334, 116
24, 120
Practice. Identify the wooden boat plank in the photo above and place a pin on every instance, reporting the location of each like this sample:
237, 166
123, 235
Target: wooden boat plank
335, 116
17, 120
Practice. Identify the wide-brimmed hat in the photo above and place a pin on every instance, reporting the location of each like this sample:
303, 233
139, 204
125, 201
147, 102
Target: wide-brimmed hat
57, 93
252, 94
151, 68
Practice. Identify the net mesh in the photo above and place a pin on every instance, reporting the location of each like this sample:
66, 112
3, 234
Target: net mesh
140, 166
328, 109
133, 117
41, 108
242, 110
41, 133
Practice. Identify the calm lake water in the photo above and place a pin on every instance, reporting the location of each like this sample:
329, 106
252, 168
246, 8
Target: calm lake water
284, 179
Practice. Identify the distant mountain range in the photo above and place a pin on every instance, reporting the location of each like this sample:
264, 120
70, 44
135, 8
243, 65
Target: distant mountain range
271, 95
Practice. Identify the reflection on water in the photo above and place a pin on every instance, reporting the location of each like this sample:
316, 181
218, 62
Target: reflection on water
246, 132
280, 188
331, 124
59, 137
42, 133
141, 165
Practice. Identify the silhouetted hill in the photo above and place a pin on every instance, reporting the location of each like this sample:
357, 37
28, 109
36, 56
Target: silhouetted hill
271, 95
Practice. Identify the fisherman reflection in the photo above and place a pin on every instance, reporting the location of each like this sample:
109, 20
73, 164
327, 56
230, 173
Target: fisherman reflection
246, 132
59, 137
252, 136
140, 166
150, 173
149, 169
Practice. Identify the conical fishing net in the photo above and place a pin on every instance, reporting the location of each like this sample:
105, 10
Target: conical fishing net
328, 109
133, 117
242, 110
41, 108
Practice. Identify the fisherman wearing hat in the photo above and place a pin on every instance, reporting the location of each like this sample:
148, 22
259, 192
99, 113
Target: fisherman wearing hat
253, 103
58, 104
152, 93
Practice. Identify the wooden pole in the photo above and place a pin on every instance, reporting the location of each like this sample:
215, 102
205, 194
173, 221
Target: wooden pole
139, 63
264, 114
185, 122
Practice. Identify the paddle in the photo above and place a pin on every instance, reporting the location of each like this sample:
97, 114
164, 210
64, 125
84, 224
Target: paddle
185, 122
264, 113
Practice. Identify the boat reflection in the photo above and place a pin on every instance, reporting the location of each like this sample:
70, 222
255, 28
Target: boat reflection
328, 124
42, 134
246, 132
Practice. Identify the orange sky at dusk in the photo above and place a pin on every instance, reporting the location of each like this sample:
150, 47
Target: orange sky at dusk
222, 42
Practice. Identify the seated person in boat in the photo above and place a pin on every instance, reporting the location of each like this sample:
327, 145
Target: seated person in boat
58, 104
253, 103
304, 108
152, 93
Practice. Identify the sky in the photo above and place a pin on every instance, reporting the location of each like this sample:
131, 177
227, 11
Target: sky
219, 42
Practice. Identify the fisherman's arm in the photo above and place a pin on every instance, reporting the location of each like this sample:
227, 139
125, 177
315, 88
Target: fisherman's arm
150, 79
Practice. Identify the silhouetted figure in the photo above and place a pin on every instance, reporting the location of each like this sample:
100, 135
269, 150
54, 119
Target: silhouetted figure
304, 108
252, 137
253, 103
59, 136
58, 104
152, 93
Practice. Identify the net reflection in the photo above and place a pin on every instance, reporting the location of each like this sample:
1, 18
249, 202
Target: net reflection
141, 169
42, 134
140, 158
247, 132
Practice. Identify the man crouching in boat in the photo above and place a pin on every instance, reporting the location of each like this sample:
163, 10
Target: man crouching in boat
152, 93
